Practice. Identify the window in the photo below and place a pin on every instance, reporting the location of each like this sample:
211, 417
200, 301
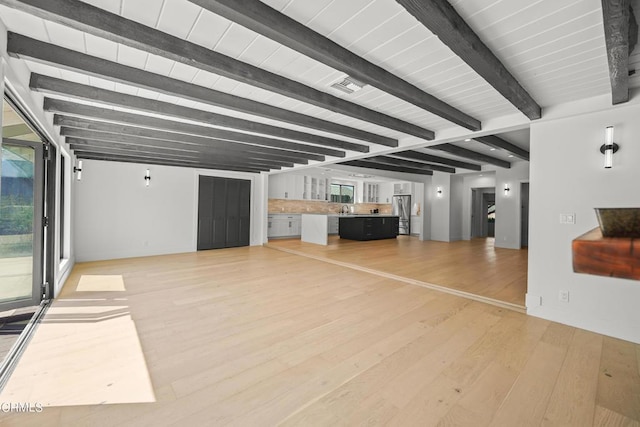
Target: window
341, 193
22, 208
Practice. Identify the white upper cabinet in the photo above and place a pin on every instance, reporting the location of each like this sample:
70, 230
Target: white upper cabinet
401, 188
318, 187
385, 191
277, 187
315, 188
371, 192
298, 187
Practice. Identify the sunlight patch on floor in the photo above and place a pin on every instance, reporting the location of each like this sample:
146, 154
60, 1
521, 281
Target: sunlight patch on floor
99, 283
84, 352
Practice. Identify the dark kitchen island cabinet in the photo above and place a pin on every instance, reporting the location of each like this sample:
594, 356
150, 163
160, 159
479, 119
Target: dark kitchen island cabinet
368, 227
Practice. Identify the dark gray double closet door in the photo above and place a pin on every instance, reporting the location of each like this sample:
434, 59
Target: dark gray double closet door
224, 212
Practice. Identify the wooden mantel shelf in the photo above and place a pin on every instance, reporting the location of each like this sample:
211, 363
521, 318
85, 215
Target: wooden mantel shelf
606, 256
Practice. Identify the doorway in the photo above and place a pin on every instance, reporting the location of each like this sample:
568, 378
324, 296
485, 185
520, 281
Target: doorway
22, 177
489, 204
224, 212
483, 212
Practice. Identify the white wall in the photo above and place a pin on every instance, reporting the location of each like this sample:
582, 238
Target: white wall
117, 216
441, 207
508, 213
426, 215
567, 176
451, 213
455, 224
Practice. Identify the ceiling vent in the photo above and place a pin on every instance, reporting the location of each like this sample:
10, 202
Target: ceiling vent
348, 85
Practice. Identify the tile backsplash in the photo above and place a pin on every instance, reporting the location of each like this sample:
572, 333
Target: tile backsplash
309, 206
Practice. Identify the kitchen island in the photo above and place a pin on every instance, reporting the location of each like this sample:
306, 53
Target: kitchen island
368, 227
316, 228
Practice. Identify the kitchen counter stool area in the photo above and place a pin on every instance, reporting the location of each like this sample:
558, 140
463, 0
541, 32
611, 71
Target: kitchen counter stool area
290, 225
315, 228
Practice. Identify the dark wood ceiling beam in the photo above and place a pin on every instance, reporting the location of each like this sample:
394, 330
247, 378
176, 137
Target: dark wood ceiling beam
469, 154
446, 24
86, 150
424, 157
115, 116
621, 34
52, 85
497, 142
109, 147
80, 150
410, 164
262, 19
178, 146
378, 166
96, 21
26, 47
94, 125
160, 162
88, 144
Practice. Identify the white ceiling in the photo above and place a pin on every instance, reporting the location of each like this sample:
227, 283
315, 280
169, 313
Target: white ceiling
556, 50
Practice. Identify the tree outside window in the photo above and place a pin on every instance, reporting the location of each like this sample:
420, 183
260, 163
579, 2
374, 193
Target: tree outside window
341, 193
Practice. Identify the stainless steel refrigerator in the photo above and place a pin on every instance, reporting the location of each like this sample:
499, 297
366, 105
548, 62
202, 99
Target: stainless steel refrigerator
401, 206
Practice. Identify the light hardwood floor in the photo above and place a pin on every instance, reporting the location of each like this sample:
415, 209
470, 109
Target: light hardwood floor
474, 266
257, 336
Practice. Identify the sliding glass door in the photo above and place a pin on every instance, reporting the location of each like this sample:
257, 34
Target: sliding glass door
21, 228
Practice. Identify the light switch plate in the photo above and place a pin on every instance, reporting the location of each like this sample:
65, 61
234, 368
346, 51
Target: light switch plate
563, 295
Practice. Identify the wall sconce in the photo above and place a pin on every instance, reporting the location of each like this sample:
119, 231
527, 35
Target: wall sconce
147, 178
78, 170
506, 189
609, 147
439, 192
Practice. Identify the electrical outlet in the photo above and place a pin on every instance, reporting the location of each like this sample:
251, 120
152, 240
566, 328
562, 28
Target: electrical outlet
569, 218
563, 295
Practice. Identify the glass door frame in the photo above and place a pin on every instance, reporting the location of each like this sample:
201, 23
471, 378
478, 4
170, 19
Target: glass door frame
38, 226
